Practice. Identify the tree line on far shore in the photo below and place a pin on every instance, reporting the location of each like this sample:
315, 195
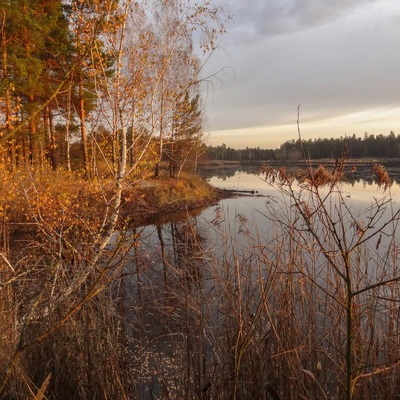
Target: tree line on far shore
378, 146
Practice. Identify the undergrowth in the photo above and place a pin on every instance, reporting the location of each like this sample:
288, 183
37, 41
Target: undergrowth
306, 309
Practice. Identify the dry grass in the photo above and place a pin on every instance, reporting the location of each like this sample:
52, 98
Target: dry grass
304, 310
143, 200
245, 314
382, 175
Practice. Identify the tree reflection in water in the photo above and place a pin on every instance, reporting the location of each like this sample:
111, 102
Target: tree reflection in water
165, 313
221, 306
356, 172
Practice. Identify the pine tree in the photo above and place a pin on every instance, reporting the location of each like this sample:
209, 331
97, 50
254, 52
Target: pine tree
90, 23
186, 133
34, 49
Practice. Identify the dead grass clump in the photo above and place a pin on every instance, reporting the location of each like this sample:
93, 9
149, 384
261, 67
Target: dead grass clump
316, 177
280, 175
382, 175
167, 194
320, 176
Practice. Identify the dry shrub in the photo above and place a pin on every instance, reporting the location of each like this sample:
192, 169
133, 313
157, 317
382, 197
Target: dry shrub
242, 315
316, 177
382, 175
320, 176
57, 315
278, 176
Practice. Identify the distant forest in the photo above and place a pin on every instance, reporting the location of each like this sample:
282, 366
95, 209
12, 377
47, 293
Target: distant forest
379, 146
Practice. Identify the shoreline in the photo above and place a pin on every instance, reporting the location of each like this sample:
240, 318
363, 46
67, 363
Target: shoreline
351, 161
145, 206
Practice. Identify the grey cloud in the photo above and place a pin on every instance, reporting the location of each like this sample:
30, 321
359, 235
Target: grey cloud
334, 59
331, 69
273, 17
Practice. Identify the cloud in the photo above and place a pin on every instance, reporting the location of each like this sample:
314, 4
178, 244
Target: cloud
334, 59
275, 17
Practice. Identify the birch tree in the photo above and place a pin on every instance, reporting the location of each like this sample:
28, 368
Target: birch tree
58, 282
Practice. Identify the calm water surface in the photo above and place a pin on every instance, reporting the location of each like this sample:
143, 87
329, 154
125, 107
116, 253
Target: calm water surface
182, 268
250, 213
359, 193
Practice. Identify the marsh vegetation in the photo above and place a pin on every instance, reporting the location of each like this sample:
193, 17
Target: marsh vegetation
305, 308
299, 302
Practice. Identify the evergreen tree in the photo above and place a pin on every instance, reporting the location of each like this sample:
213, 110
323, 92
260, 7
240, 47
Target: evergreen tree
89, 20
186, 133
35, 49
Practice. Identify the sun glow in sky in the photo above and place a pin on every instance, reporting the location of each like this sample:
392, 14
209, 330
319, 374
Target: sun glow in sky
338, 59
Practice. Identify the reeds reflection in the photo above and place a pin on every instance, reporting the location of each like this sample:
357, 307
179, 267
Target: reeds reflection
292, 294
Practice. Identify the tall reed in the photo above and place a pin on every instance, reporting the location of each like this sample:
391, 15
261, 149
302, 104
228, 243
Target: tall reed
307, 309
304, 310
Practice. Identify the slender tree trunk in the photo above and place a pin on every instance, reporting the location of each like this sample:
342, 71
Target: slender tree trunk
46, 130
82, 117
124, 148
33, 144
67, 131
132, 148
161, 145
51, 142
33, 139
131, 155
9, 125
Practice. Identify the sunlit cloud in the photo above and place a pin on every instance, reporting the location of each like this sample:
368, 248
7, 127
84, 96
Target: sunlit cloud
339, 60
373, 121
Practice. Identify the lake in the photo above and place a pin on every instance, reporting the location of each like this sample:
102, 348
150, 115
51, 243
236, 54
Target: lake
237, 299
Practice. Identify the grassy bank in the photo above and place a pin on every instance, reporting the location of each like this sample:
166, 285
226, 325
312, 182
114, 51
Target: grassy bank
57, 267
29, 201
149, 199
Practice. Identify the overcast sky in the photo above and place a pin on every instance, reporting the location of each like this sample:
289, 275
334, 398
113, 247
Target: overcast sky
338, 59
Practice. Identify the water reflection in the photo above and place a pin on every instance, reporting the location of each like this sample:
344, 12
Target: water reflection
359, 185
353, 173
234, 300
164, 312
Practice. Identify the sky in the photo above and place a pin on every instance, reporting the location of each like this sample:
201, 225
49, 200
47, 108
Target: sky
337, 62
